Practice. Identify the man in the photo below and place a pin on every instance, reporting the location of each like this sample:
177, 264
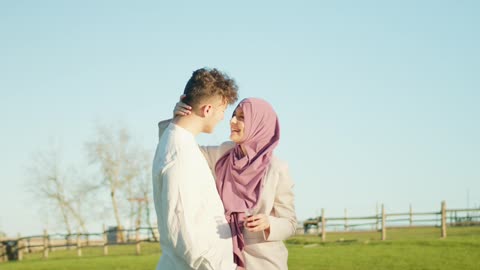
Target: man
193, 231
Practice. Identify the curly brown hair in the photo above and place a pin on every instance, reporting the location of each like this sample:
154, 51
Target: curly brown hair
206, 83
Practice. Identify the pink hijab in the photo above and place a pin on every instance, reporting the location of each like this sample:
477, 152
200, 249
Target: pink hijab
240, 178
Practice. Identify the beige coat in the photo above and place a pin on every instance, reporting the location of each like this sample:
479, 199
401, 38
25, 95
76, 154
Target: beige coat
276, 201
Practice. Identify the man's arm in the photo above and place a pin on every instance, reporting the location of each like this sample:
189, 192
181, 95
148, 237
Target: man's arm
162, 126
183, 215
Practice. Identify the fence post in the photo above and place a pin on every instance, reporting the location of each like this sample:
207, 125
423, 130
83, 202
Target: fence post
105, 242
45, 244
69, 245
79, 246
411, 215
121, 234
137, 237
444, 219
324, 233
346, 220
20, 247
377, 223
49, 242
384, 229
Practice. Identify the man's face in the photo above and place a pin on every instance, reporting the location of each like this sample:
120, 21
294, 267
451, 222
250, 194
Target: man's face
217, 114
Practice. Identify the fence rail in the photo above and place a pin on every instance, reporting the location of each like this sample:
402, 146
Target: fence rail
47, 243
381, 221
14, 248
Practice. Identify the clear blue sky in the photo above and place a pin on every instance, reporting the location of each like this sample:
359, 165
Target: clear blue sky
378, 100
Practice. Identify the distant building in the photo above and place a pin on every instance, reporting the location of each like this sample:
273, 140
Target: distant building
310, 226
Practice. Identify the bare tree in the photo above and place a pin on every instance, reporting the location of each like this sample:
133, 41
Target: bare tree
141, 187
119, 160
145, 185
131, 183
82, 192
140, 192
49, 182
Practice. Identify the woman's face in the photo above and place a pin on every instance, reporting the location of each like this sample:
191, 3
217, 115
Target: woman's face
237, 126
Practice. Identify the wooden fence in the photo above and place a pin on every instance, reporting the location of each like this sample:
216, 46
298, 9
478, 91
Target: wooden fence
47, 243
382, 221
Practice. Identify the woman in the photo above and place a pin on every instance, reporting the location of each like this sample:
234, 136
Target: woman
255, 186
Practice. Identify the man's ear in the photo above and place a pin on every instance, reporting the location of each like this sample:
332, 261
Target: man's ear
206, 110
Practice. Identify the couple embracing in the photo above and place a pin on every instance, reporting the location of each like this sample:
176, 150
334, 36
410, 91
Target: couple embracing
221, 207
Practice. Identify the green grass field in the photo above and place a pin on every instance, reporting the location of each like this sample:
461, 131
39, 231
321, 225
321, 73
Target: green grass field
419, 248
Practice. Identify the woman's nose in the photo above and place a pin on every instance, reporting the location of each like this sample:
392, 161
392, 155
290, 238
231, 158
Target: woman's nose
233, 120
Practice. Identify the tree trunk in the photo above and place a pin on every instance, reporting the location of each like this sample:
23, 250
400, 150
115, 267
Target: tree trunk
79, 219
139, 215
147, 210
65, 216
65, 219
117, 215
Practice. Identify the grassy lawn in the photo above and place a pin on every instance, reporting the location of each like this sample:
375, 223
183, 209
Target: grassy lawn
419, 248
